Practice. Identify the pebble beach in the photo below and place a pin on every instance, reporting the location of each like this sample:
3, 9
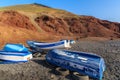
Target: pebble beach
38, 69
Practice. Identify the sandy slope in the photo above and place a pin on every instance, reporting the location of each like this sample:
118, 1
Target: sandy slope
19, 35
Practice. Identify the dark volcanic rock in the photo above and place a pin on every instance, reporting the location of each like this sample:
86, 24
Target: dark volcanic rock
38, 69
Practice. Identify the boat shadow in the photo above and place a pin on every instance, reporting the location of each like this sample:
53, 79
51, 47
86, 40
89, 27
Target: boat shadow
54, 71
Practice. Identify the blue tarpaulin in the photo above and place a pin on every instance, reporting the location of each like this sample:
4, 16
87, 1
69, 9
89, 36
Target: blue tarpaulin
15, 47
14, 53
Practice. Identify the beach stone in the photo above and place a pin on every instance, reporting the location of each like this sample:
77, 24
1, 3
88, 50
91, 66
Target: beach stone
38, 69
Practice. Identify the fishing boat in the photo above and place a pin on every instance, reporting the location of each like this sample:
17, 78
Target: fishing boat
51, 45
15, 53
84, 63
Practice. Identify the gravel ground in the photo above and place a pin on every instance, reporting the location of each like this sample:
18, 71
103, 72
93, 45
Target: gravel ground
109, 50
38, 69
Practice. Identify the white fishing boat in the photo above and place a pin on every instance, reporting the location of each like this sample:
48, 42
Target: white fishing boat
15, 53
51, 45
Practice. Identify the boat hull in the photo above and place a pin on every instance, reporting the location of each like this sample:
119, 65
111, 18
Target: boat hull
15, 56
15, 53
52, 45
84, 63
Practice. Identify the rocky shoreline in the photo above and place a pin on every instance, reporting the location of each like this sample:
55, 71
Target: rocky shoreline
38, 69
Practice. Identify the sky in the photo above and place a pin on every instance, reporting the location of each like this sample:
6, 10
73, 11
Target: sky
103, 9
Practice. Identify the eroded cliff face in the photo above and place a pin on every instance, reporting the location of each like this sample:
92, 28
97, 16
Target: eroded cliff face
53, 25
17, 28
15, 19
82, 26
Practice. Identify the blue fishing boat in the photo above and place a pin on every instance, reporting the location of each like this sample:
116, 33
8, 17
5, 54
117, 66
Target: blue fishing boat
15, 53
50, 45
81, 62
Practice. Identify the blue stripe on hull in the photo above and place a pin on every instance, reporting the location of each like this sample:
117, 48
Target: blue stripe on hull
49, 45
44, 45
14, 53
